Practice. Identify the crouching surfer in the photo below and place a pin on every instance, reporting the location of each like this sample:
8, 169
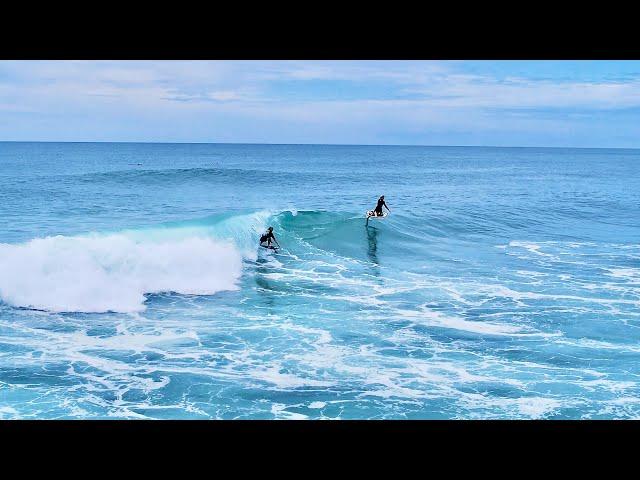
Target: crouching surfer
377, 212
267, 238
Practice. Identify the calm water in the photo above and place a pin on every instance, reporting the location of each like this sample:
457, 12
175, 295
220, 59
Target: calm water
505, 283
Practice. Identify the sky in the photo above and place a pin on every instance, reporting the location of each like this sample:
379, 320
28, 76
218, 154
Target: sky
486, 103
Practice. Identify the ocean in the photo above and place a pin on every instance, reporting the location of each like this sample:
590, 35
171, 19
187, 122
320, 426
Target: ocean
504, 284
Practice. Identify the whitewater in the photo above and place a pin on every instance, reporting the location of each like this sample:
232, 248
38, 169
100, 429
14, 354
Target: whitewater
504, 284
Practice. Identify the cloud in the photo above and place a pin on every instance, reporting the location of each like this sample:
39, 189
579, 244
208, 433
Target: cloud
356, 71
474, 92
319, 101
439, 84
214, 96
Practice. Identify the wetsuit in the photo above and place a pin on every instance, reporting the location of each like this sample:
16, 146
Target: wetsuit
378, 210
267, 238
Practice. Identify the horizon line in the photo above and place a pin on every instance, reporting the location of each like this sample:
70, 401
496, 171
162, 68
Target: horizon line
320, 144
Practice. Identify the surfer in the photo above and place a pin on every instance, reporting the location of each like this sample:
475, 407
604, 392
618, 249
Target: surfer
267, 237
378, 210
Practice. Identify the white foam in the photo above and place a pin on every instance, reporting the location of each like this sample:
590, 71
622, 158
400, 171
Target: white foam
530, 246
487, 407
599, 345
529, 273
631, 274
536, 407
457, 323
113, 272
8, 412
517, 296
280, 412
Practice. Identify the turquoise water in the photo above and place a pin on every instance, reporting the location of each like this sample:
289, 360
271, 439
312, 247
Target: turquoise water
505, 283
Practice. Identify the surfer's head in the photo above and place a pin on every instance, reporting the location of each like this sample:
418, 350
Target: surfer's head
270, 229
381, 197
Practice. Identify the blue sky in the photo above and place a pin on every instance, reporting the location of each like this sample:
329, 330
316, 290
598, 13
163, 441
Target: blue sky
502, 103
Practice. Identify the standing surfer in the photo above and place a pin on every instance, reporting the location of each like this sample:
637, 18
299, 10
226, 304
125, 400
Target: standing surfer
267, 237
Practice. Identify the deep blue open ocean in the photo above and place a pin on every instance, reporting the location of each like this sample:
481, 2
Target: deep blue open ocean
505, 282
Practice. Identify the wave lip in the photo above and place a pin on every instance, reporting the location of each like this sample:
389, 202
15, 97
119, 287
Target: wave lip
112, 273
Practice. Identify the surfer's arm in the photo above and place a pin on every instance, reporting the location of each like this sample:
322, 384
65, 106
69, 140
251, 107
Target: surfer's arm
385, 206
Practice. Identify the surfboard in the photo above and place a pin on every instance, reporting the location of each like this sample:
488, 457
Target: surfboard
270, 247
371, 214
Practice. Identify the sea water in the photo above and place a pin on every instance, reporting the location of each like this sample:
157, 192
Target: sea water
505, 283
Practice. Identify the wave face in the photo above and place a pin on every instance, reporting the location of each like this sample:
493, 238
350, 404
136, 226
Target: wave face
504, 284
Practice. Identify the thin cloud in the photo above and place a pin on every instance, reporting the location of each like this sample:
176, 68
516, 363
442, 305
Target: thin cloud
325, 100
473, 93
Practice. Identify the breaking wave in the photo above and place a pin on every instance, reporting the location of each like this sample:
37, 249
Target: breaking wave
114, 271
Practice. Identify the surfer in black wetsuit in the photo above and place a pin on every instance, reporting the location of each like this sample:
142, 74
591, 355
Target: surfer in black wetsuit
378, 210
267, 237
